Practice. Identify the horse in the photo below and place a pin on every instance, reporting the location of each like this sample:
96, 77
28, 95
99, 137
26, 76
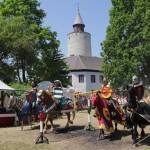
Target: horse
106, 114
137, 115
102, 114
46, 98
23, 107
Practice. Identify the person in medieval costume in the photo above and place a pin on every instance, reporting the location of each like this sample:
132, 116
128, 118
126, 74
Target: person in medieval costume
31, 99
57, 92
115, 109
106, 92
135, 93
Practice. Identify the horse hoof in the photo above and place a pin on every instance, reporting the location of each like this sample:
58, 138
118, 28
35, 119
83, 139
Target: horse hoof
116, 129
134, 145
101, 136
52, 130
142, 134
71, 122
45, 131
67, 126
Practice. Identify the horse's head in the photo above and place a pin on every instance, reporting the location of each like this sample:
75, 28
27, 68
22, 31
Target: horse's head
44, 97
39, 97
12, 102
94, 99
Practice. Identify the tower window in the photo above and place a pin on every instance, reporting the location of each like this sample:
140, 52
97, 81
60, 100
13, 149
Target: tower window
81, 78
93, 79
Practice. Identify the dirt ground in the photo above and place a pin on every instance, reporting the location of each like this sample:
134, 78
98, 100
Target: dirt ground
75, 138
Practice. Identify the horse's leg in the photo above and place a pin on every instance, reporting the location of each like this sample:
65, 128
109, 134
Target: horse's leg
21, 125
51, 121
116, 127
30, 122
142, 132
45, 122
101, 128
101, 134
68, 120
135, 134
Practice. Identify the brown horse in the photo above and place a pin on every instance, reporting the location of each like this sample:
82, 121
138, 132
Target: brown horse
46, 98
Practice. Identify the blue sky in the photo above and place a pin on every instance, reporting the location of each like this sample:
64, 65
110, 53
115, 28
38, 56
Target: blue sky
61, 16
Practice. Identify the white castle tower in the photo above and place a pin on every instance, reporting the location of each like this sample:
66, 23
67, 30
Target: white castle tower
79, 42
84, 70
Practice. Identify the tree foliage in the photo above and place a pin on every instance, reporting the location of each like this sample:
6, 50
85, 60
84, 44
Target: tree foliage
53, 66
126, 49
26, 44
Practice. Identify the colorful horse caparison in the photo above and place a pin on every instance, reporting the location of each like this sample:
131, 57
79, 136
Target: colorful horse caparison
45, 97
22, 108
103, 115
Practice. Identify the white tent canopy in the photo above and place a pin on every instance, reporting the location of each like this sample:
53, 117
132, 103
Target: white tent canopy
5, 87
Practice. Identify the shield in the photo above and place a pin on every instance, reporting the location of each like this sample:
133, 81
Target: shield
106, 91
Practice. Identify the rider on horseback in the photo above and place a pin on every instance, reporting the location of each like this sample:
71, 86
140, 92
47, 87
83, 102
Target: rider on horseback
57, 92
136, 93
106, 94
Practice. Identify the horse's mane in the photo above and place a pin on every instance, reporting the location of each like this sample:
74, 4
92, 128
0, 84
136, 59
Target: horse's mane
19, 102
47, 93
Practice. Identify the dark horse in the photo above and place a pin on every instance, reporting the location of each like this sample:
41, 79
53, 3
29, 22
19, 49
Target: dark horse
137, 114
104, 116
45, 97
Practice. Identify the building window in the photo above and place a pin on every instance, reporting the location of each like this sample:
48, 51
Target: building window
81, 78
93, 79
101, 78
70, 79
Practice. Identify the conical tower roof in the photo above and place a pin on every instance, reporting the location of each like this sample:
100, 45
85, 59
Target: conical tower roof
78, 19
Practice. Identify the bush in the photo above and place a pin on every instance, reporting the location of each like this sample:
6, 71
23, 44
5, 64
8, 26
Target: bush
21, 88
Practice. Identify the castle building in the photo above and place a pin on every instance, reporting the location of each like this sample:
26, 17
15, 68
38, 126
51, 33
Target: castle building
85, 70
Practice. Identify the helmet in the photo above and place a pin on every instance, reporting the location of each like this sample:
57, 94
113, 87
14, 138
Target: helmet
105, 81
134, 79
58, 82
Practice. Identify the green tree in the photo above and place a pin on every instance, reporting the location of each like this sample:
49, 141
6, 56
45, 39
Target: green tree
18, 42
126, 47
52, 65
23, 45
30, 40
